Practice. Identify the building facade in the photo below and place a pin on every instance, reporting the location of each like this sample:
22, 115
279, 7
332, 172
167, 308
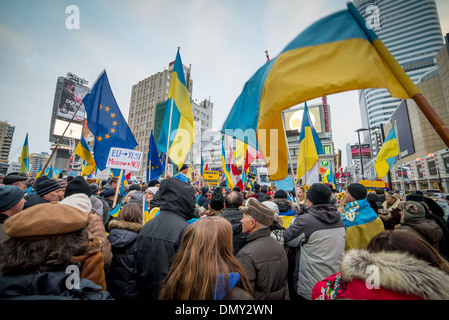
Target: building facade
428, 166
411, 31
6, 135
147, 109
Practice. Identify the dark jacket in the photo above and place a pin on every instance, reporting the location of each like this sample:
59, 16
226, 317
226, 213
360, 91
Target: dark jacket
160, 238
48, 286
33, 199
266, 265
426, 229
319, 236
122, 277
234, 216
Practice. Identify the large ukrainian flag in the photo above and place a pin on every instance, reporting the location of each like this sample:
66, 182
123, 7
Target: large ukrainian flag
182, 128
25, 157
309, 149
82, 150
386, 157
337, 53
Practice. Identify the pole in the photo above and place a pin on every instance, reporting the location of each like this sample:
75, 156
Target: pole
361, 158
168, 139
400, 157
117, 188
290, 160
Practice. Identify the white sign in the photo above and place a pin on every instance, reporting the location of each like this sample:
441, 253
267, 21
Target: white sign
125, 159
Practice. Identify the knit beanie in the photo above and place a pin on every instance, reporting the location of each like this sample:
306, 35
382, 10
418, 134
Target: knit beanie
10, 196
273, 206
78, 185
79, 201
319, 193
46, 186
280, 194
357, 191
217, 200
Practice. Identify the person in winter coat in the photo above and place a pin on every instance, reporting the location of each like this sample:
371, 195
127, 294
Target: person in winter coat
391, 208
361, 222
36, 259
412, 219
76, 194
203, 196
46, 190
160, 238
122, 278
396, 265
319, 235
233, 201
263, 258
286, 209
204, 267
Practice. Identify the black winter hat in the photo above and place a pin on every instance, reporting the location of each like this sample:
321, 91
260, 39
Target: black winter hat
46, 186
77, 185
319, 193
15, 177
357, 191
217, 200
280, 194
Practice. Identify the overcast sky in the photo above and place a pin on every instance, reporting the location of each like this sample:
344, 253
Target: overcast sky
224, 41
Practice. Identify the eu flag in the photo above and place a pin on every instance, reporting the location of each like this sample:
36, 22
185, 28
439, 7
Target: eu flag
106, 122
153, 160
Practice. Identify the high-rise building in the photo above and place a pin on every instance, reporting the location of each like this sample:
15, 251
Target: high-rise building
147, 108
6, 134
411, 31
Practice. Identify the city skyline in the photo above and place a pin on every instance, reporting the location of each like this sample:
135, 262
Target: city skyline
224, 42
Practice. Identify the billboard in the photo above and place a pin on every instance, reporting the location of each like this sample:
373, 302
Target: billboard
293, 119
72, 95
404, 130
69, 95
366, 151
73, 131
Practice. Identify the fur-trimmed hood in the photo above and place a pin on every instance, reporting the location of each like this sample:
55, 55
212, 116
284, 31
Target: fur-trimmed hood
122, 224
398, 272
123, 233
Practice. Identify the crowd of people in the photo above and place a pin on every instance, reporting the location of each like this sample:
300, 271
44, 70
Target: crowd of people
79, 238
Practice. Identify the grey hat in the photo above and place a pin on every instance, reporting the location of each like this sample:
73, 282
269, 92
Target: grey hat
10, 196
136, 197
413, 210
258, 211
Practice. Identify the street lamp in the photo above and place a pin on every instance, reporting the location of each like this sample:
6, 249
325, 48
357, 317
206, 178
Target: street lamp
360, 150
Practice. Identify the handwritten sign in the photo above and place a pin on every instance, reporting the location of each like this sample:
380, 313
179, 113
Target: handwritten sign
212, 178
125, 159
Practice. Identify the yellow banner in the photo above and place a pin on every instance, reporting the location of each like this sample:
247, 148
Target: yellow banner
211, 178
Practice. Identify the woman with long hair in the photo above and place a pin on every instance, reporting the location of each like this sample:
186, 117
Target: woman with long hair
204, 267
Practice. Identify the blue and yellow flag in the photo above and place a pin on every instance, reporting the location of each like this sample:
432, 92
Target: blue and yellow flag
225, 167
106, 122
153, 159
25, 157
82, 150
309, 148
178, 109
386, 157
337, 53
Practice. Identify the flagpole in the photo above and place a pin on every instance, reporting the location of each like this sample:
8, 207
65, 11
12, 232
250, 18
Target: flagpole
400, 157
290, 159
168, 139
117, 188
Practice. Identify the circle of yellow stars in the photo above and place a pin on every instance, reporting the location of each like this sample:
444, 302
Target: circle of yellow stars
114, 123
